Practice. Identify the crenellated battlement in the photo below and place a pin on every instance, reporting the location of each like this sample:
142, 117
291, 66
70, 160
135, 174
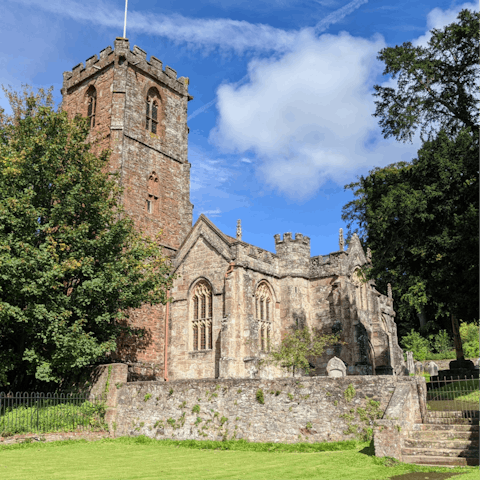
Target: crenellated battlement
120, 56
287, 238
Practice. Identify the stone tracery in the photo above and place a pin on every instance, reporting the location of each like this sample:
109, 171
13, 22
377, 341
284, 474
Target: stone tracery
202, 306
263, 314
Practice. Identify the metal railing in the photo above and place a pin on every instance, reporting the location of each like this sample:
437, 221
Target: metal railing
24, 412
452, 399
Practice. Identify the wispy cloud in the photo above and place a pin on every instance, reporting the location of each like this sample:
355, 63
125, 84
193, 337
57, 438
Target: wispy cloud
338, 15
200, 110
222, 33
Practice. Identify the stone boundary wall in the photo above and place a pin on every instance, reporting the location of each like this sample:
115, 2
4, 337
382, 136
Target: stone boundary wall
306, 409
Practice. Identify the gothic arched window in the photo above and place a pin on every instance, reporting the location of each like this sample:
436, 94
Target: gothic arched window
153, 192
263, 314
91, 105
152, 110
202, 316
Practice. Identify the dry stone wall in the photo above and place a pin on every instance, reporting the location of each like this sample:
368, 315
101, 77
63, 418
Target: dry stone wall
284, 410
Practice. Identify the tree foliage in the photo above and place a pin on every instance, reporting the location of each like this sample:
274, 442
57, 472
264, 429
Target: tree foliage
298, 346
420, 218
437, 85
71, 263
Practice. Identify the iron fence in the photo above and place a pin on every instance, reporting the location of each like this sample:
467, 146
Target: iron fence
24, 412
453, 400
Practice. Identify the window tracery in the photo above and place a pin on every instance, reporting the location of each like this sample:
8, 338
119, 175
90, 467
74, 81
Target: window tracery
202, 316
152, 110
153, 192
263, 314
91, 105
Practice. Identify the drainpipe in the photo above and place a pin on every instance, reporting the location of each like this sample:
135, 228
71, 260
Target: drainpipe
230, 269
165, 361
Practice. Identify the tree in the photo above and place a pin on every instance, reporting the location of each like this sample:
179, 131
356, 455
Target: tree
420, 219
437, 86
298, 346
71, 263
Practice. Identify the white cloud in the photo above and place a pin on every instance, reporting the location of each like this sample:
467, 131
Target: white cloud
222, 33
438, 18
308, 115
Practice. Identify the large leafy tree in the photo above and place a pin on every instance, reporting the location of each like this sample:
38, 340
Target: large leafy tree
71, 263
437, 85
420, 218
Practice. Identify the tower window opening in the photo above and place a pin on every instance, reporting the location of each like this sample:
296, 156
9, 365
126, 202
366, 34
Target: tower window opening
91, 105
151, 111
149, 206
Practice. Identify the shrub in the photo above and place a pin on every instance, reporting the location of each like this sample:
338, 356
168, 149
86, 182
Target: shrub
414, 342
259, 396
441, 342
469, 336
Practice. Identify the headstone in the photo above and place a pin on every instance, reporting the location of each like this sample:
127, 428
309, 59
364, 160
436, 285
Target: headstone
477, 363
432, 369
410, 364
336, 368
419, 368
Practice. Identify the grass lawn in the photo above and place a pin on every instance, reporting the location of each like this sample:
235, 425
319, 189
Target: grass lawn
141, 458
464, 395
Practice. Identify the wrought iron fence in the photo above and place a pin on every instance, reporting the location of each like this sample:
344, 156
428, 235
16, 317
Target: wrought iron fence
451, 400
24, 412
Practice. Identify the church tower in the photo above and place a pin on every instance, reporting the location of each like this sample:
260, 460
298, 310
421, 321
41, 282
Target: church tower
138, 110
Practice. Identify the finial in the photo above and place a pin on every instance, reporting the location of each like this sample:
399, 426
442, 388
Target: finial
341, 241
369, 255
389, 290
239, 229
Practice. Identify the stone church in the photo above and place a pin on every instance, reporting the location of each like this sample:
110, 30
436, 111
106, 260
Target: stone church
231, 300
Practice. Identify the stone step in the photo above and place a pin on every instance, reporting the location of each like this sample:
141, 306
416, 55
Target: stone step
452, 421
439, 461
442, 443
444, 435
453, 413
452, 427
440, 452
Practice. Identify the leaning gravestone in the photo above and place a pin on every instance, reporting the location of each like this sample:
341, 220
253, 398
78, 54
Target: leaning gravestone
410, 365
432, 369
336, 368
419, 368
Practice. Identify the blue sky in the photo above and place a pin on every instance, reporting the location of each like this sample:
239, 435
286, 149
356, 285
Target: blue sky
282, 113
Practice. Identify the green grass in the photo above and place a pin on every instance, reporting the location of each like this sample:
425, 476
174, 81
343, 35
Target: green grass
141, 458
52, 418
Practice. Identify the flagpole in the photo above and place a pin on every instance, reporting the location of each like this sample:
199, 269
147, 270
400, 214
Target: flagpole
125, 22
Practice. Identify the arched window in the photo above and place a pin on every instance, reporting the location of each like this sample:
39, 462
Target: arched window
91, 105
202, 307
152, 110
263, 314
153, 192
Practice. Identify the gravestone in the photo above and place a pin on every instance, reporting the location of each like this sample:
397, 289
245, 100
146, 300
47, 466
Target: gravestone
410, 364
432, 369
477, 363
419, 368
336, 368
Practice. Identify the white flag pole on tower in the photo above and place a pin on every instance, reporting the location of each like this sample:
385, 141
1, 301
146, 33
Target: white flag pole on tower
125, 22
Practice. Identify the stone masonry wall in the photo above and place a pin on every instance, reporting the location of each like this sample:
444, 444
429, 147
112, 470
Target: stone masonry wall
295, 409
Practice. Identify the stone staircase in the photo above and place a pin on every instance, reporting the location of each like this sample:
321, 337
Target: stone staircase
446, 439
